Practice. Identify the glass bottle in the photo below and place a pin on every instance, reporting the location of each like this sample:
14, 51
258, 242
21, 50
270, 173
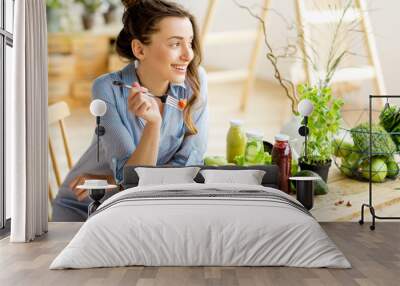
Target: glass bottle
282, 156
235, 140
254, 153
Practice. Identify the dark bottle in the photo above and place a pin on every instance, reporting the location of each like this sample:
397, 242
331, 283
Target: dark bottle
282, 156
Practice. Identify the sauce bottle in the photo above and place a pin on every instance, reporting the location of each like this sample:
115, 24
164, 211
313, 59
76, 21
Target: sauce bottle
235, 140
282, 156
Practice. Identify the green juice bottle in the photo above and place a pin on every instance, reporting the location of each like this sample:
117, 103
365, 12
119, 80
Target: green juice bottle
235, 140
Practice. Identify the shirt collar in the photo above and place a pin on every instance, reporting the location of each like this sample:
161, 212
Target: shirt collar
129, 76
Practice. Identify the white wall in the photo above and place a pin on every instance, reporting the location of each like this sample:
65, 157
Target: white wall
383, 13
386, 23
384, 16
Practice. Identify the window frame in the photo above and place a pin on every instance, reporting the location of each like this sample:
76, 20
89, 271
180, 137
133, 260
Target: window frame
6, 39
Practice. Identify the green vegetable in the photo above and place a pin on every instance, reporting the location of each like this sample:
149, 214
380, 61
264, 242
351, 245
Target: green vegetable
294, 168
350, 164
392, 168
390, 120
342, 149
254, 153
241, 161
215, 161
378, 170
321, 188
346, 170
382, 143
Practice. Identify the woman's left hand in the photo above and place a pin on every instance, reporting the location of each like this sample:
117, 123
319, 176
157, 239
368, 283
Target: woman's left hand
81, 194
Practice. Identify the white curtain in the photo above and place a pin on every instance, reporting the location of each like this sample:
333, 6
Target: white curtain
26, 115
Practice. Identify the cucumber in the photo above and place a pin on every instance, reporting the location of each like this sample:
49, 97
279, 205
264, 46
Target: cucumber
254, 152
251, 153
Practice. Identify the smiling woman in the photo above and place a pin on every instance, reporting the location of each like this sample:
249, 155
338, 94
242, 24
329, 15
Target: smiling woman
161, 41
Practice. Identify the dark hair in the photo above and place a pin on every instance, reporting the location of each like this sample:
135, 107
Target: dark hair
140, 21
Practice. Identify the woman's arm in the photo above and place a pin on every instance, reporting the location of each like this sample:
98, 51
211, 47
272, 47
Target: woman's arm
193, 147
143, 106
146, 152
118, 144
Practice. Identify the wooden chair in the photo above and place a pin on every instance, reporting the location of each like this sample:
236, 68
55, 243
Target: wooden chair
57, 112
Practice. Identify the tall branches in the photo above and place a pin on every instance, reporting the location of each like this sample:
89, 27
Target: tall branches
287, 85
335, 53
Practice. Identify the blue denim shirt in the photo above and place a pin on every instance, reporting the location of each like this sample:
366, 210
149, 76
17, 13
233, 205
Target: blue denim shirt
124, 129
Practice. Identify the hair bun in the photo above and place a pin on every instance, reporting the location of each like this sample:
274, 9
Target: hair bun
129, 3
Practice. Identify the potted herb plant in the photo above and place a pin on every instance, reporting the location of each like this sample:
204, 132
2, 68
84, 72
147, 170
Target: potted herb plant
90, 8
53, 13
325, 120
323, 123
110, 12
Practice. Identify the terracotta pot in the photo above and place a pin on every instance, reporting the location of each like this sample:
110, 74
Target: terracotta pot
110, 16
88, 21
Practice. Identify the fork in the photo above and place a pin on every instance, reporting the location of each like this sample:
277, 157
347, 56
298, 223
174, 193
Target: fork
167, 99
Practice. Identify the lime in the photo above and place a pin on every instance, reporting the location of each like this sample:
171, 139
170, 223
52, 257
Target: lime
378, 170
393, 169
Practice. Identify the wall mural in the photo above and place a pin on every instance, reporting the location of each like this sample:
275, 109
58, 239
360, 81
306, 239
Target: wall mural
124, 93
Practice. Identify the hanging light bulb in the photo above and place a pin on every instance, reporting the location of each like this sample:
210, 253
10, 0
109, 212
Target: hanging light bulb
305, 107
98, 108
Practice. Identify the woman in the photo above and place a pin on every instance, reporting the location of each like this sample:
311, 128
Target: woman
161, 41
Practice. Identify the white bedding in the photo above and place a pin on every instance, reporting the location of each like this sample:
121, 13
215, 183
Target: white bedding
183, 231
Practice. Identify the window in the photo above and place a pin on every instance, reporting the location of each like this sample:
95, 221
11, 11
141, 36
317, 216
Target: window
6, 44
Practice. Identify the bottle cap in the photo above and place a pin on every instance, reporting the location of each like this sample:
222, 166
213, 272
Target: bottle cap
236, 122
282, 137
254, 134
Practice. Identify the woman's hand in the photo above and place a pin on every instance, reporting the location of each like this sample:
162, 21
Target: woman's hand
142, 105
81, 194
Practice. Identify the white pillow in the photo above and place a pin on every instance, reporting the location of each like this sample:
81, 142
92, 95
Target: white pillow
249, 177
165, 176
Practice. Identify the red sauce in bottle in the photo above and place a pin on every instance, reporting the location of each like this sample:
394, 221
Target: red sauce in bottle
282, 156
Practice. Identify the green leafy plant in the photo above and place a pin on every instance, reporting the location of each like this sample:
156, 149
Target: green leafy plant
54, 4
90, 6
323, 123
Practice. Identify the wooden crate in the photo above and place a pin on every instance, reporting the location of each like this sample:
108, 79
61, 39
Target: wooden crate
59, 43
61, 66
82, 90
91, 56
59, 89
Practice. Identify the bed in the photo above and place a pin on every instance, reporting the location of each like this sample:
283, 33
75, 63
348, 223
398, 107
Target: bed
201, 224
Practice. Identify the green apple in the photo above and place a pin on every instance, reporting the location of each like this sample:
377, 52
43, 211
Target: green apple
215, 161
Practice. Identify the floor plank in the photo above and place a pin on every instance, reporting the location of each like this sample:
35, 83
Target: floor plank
374, 255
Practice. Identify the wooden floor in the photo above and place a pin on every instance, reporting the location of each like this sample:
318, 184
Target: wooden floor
374, 255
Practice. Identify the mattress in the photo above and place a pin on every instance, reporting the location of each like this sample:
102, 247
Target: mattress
201, 225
